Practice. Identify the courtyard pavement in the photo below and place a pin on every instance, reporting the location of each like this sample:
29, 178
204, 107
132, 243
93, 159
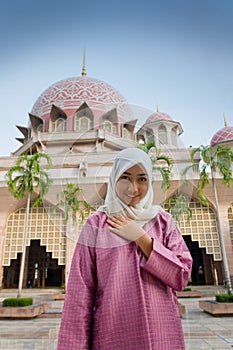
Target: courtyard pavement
201, 330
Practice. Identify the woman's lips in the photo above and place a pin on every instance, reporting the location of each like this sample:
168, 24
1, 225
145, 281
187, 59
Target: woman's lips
133, 196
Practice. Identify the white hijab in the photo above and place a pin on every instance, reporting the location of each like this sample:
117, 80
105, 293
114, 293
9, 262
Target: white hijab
144, 210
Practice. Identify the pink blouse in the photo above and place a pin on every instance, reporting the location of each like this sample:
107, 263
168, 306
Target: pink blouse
117, 299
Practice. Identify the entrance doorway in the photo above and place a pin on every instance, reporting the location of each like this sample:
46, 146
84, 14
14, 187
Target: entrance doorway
205, 270
41, 270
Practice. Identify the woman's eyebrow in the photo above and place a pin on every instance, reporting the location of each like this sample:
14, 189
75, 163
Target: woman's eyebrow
127, 173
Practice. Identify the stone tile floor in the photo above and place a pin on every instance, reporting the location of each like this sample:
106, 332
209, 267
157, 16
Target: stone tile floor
202, 331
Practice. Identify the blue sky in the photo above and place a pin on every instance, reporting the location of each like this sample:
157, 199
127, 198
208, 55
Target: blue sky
177, 54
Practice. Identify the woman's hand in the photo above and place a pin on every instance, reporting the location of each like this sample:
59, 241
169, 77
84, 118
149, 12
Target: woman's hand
125, 227
130, 230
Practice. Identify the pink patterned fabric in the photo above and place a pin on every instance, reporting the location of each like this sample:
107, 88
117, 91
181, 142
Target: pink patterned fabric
118, 300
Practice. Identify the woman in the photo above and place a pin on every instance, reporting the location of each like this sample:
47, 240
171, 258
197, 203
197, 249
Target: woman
128, 262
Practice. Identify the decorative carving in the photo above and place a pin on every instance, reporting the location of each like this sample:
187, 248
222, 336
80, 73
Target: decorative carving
72, 92
158, 116
223, 135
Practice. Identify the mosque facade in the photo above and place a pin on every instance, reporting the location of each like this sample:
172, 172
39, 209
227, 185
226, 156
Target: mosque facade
81, 123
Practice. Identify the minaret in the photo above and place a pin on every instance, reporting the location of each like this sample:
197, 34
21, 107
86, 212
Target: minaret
84, 72
225, 121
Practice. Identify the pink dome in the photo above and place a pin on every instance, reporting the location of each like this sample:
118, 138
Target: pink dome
69, 94
158, 116
223, 135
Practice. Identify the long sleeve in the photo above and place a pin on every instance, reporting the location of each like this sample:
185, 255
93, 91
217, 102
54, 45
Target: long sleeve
170, 260
75, 330
130, 306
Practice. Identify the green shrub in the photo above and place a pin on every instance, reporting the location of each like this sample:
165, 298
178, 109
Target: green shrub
224, 298
187, 289
25, 301
17, 302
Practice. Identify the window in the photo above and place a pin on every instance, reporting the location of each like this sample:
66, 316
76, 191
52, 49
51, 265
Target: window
162, 135
109, 127
59, 125
82, 123
126, 134
41, 127
174, 136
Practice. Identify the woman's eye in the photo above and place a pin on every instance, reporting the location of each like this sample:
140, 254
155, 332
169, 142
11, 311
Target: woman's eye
124, 177
143, 179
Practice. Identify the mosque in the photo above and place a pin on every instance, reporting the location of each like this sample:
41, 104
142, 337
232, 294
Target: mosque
82, 122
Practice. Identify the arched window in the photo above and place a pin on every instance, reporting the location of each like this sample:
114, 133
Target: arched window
162, 135
41, 128
83, 118
109, 127
82, 123
59, 125
126, 134
174, 136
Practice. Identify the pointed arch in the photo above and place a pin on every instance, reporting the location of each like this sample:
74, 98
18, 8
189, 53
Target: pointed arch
109, 121
203, 228
44, 224
162, 130
174, 136
58, 120
37, 123
83, 118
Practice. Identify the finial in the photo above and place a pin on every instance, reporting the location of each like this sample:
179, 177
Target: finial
157, 108
225, 121
84, 72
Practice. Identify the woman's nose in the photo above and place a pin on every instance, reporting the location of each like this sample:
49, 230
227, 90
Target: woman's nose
133, 186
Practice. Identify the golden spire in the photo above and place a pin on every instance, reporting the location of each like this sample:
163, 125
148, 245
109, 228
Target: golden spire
225, 121
84, 72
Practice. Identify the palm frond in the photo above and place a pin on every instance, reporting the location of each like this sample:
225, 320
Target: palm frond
204, 180
69, 200
210, 159
165, 173
156, 159
27, 175
193, 153
179, 206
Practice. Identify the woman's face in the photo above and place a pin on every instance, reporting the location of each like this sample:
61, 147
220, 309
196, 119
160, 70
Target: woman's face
132, 185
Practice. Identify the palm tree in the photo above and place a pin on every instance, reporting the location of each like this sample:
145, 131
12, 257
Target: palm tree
179, 206
212, 159
156, 158
24, 178
69, 200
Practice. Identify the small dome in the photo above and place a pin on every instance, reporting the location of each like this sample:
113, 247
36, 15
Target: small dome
223, 135
69, 94
158, 116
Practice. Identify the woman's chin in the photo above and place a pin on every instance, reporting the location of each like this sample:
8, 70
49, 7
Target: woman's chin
133, 203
